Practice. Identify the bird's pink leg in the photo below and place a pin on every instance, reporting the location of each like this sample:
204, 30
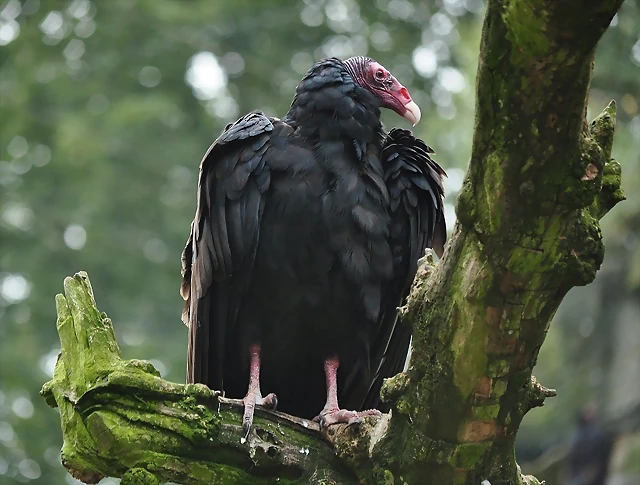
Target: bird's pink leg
254, 396
331, 413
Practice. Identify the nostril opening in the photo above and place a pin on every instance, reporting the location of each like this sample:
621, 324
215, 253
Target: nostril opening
405, 94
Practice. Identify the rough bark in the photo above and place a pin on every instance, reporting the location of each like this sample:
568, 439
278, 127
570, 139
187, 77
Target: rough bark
539, 180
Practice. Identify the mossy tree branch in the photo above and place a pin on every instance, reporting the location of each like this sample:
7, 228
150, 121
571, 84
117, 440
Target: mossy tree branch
539, 180
120, 419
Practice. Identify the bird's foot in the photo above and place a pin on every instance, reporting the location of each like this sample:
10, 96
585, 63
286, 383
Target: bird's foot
253, 398
327, 417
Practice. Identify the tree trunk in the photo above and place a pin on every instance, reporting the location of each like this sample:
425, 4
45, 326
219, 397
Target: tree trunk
539, 180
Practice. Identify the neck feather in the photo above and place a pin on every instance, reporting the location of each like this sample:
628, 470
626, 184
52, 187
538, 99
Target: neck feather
330, 103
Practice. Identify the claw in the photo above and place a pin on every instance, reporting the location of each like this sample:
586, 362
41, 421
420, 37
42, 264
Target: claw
331, 413
250, 401
254, 396
329, 417
247, 416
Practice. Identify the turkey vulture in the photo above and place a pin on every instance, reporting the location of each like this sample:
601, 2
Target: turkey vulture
305, 241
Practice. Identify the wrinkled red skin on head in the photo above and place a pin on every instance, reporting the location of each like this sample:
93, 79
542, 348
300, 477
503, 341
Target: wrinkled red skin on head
386, 87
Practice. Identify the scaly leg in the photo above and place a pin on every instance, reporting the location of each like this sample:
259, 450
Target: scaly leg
331, 413
254, 396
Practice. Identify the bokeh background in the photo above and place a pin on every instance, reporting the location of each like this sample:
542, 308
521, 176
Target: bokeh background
106, 108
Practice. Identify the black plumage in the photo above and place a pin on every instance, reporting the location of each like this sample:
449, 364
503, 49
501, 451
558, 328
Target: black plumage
305, 241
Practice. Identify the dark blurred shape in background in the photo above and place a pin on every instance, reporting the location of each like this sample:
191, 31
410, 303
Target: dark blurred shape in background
590, 451
106, 108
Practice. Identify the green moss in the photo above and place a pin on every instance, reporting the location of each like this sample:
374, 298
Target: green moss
526, 25
486, 413
470, 358
533, 307
534, 130
210, 473
143, 365
524, 261
405, 406
466, 206
490, 200
585, 250
612, 175
387, 478
394, 387
139, 476
531, 161
498, 368
602, 128
469, 455
585, 180
499, 387
611, 192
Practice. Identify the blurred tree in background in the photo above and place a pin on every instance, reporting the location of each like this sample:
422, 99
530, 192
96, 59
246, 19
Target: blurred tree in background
106, 109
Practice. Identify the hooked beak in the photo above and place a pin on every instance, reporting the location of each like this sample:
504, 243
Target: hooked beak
399, 100
412, 112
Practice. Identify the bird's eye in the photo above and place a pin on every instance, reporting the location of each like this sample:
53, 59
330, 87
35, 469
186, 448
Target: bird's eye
380, 74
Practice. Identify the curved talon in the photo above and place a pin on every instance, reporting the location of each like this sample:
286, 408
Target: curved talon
250, 401
270, 401
329, 417
247, 416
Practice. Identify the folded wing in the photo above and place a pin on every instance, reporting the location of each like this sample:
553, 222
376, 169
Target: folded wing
218, 258
414, 181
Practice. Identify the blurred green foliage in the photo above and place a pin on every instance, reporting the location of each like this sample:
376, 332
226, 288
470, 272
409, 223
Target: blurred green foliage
107, 107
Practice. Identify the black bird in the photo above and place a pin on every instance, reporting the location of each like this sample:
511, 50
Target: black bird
305, 241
